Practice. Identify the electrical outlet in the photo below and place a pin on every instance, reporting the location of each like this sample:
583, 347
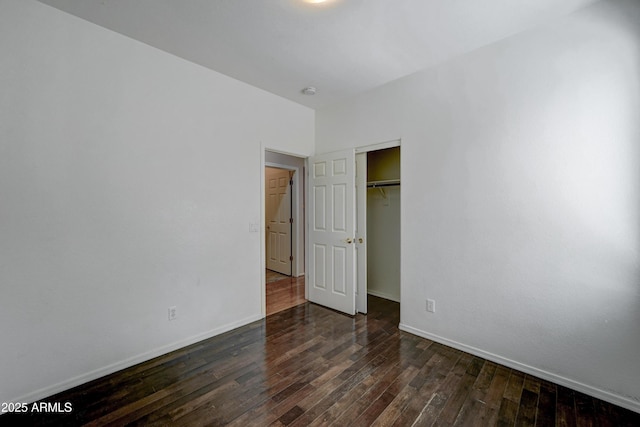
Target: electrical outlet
173, 312
431, 306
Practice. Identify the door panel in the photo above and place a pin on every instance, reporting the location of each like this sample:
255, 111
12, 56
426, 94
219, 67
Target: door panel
339, 271
320, 259
331, 232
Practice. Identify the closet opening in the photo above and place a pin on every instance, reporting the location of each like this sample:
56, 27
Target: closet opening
378, 230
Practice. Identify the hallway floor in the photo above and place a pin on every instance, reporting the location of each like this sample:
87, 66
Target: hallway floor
283, 292
274, 276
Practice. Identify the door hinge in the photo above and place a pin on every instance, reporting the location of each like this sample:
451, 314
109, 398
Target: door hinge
291, 182
290, 257
290, 220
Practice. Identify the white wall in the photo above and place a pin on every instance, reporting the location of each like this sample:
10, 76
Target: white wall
521, 197
116, 202
383, 243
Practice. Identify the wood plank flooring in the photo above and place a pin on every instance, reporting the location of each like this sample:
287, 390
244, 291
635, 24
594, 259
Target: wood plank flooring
283, 293
274, 276
310, 366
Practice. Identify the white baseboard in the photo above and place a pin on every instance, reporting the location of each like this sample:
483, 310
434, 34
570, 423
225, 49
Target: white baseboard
127, 363
382, 295
627, 402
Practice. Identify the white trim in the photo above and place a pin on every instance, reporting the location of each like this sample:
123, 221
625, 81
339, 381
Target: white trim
263, 236
132, 361
286, 153
383, 295
609, 396
379, 146
362, 278
306, 225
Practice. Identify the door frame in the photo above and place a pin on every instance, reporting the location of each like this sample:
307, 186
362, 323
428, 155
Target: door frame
296, 269
292, 214
361, 282
263, 149
299, 217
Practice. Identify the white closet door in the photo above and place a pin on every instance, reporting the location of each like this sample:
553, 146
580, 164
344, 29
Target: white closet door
332, 273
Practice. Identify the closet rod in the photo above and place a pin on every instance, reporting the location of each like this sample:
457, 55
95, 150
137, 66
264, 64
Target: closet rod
386, 183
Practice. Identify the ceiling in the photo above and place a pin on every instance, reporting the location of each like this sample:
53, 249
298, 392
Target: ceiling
342, 47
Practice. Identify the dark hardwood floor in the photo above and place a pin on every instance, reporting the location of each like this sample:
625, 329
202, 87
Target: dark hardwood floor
312, 366
283, 293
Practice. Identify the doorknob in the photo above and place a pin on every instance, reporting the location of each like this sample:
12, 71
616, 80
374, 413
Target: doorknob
360, 240
348, 240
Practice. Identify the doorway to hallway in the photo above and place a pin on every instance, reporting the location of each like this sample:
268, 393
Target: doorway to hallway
284, 254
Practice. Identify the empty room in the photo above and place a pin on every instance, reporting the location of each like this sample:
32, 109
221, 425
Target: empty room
492, 279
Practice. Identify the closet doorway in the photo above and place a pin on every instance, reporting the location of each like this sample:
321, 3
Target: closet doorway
378, 223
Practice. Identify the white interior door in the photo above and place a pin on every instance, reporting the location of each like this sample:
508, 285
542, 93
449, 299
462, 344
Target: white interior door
331, 204
278, 219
